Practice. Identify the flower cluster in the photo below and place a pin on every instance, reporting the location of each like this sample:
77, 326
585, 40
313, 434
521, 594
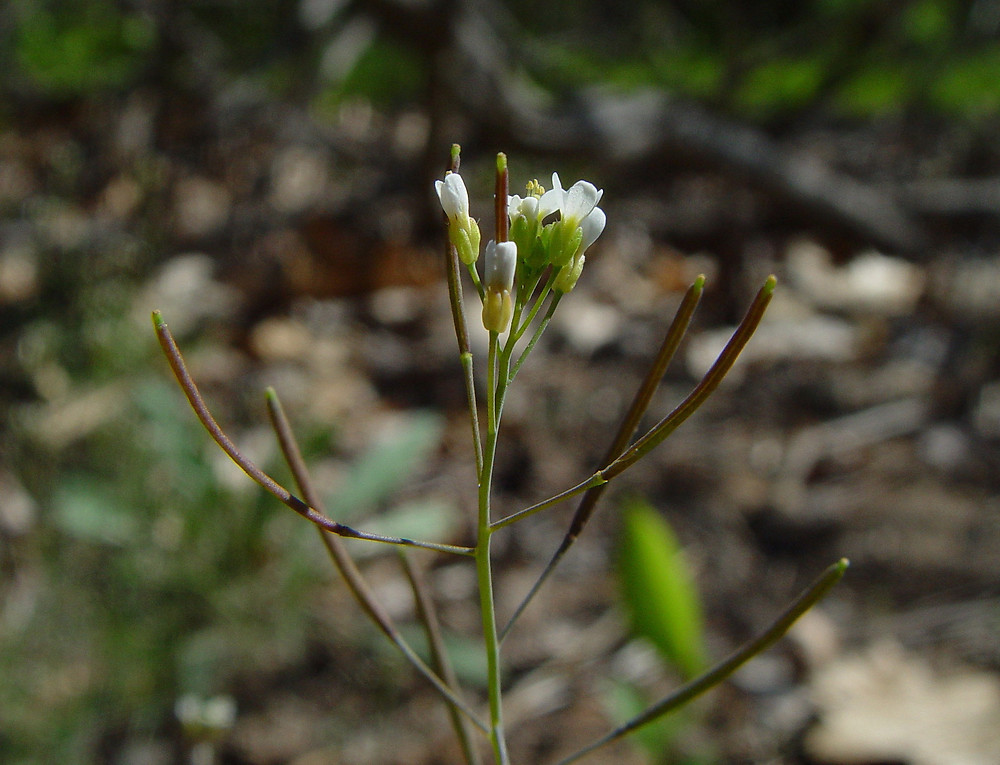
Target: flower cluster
547, 230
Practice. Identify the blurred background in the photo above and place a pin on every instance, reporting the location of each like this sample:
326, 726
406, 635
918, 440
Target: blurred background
261, 172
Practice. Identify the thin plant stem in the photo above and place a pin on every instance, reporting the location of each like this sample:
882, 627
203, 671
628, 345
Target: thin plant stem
525, 290
659, 432
595, 480
536, 307
717, 674
476, 281
484, 574
203, 413
553, 304
427, 615
588, 503
344, 563
462, 329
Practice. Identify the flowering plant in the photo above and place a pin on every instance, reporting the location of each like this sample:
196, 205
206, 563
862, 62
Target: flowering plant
535, 258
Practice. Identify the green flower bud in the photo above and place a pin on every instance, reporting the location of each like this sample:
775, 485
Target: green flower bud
569, 274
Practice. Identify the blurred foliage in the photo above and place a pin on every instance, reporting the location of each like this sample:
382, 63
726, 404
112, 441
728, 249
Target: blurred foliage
664, 609
147, 574
850, 58
855, 58
74, 48
658, 590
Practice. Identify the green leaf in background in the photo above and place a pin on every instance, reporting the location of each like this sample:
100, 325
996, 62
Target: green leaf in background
465, 653
781, 83
968, 85
659, 594
73, 48
625, 701
877, 89
428, 519
386, 467
86, 510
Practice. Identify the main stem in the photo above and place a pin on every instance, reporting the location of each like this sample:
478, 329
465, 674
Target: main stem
484, 573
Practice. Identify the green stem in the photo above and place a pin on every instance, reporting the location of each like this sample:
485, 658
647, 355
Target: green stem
484, 574
525, 290
595, 480
659, 432
522, 326
476, 280
553, 304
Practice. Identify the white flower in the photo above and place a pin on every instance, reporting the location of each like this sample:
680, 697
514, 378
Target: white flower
576, 202
499, 262
454, 197
518, 207
463, 231
580, 222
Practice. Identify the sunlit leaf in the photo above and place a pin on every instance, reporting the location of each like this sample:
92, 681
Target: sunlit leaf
658, 591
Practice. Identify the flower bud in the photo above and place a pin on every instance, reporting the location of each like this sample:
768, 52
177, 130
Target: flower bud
463, 231
497, 310
565, 241
466, 240
569, 274
500, 262
454, 196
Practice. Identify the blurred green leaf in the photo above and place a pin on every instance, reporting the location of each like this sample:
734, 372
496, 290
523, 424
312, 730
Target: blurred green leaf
85, 510
464, 653
928, 22
969, 85
781, 84
429, 520
876, 90
691, 70
385, 74
625, 701
386, 467
72, 48
657, 588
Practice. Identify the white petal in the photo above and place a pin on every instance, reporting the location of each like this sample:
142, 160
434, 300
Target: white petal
499, 261
453, 195
514, 205
550, 201
593, 225
581, 198
528, 206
